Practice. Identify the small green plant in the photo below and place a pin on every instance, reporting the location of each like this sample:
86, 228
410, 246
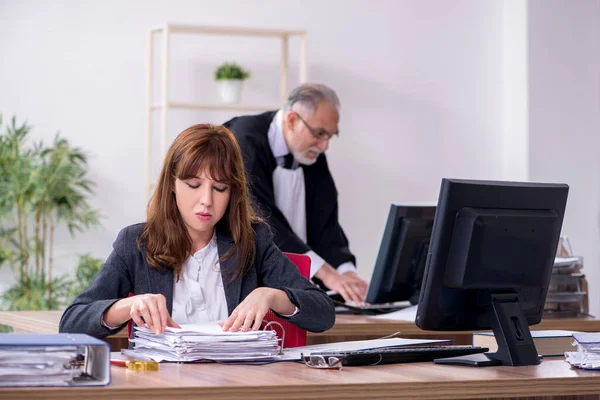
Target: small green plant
231, 71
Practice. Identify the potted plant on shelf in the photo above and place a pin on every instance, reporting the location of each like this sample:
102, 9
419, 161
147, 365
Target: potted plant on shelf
230, 77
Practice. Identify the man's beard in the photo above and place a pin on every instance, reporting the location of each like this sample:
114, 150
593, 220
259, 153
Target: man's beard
303, 159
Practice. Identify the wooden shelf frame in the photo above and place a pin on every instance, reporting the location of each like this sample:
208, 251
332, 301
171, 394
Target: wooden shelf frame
164, 104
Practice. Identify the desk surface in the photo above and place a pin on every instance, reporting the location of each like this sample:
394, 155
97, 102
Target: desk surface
364, 325
33, 321
347, 327
296, 381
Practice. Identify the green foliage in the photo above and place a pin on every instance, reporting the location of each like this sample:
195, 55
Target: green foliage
7, 244
33, 294
87, 268
231, 71
41, 187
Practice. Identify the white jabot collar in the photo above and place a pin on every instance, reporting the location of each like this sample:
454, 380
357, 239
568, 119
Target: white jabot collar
276, 140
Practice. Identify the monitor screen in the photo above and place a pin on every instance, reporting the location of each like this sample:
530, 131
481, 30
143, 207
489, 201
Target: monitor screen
490, 261
401, 260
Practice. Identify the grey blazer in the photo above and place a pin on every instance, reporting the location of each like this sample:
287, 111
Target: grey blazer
126, 270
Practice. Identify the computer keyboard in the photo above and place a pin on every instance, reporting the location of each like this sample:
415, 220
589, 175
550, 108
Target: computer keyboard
399, 354
366, 306
372, 308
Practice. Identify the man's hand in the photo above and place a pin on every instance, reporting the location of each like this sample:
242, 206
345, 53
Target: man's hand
349, 285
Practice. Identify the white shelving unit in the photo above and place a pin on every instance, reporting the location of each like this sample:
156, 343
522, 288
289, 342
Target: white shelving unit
165, 104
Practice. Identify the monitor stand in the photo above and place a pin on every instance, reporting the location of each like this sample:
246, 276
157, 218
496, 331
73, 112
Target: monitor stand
515, 344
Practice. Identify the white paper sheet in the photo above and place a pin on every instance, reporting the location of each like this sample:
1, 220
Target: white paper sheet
406, 314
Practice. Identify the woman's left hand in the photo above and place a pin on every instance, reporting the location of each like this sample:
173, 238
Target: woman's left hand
249, 313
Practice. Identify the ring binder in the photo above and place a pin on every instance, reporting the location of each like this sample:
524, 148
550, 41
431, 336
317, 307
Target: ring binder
282, 340
41, 360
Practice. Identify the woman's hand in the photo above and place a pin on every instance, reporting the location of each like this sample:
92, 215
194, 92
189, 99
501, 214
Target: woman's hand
153, 309
249, 313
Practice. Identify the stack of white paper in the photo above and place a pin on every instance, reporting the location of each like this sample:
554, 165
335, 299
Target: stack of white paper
587, 355
38, 366
196, 342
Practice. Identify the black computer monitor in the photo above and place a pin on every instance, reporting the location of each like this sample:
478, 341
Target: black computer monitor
489, 263
401, 260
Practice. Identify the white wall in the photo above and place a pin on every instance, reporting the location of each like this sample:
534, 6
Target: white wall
515, 88
419, 83
429, 89
564, 117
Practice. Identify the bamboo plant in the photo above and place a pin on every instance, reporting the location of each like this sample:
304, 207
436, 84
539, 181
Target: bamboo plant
40, 188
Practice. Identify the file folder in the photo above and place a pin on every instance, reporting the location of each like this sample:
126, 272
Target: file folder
95, 370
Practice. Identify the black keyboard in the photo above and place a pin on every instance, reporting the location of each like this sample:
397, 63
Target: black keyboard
399, 354
372, 308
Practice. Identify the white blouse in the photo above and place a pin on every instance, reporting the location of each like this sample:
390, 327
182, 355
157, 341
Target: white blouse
199, 295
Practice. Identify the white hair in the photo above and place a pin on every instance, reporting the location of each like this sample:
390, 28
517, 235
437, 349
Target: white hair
309, 95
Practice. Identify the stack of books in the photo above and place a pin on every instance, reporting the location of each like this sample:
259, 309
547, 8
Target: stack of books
204, 342
587, 355
548, 343
567, 293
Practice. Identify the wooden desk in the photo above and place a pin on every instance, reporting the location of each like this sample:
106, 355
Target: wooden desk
47, 322
347, 327
358, 327
552, 379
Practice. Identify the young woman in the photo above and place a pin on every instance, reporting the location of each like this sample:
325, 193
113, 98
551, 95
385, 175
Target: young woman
203, 254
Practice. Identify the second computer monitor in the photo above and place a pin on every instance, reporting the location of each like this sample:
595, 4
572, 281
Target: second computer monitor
489, 265
401, 260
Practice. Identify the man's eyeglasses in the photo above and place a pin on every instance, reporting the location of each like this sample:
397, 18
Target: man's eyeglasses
319, 134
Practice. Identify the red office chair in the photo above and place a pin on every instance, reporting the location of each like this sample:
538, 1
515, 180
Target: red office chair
130, 324
294, 336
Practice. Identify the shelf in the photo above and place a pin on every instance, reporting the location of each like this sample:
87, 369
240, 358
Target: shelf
224, 30
163, 33
217, 106
565, 297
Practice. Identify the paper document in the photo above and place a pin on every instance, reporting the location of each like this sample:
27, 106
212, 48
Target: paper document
53, 360
197, 342
567, 261
39, 365
406, 314
587, 355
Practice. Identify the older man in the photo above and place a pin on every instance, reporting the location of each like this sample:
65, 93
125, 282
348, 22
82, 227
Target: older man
289, 177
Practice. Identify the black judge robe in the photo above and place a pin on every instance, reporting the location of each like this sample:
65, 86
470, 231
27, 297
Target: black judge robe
323, 231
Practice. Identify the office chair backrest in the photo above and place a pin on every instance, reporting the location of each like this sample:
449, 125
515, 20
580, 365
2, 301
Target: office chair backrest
294, 336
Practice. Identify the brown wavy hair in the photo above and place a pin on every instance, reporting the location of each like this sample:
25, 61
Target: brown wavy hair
214, 150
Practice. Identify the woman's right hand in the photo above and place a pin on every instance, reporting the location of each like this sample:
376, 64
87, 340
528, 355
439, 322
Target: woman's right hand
151, 310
